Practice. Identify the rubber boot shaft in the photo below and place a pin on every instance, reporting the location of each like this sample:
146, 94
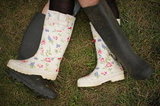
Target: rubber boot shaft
32, 37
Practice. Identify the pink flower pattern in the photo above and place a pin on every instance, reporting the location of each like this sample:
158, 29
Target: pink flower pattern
43, 42
47, 60
99, 51
109, 64
24, 61
105, 62
40, 65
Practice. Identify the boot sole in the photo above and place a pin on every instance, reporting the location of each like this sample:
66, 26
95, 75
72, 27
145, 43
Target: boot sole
18, 68
20, 79
113, 78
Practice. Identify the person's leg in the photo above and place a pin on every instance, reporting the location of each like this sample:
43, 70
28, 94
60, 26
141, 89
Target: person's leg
28, 48
63, 6
56, 35
45, 8
102, 18
88, 3
107, 68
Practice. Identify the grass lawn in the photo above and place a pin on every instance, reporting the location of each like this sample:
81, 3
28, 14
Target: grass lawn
141, 24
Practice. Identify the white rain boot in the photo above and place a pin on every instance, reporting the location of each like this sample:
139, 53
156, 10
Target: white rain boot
56, 34
107, 69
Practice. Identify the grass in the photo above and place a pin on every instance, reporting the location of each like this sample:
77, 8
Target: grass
141, 24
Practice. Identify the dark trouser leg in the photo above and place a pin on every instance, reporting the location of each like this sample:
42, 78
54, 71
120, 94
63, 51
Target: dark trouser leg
63, 6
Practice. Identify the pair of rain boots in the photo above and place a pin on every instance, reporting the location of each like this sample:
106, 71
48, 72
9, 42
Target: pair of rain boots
55, 37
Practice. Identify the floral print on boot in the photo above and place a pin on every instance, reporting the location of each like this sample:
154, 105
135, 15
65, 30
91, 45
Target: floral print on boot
107, 69
56, 34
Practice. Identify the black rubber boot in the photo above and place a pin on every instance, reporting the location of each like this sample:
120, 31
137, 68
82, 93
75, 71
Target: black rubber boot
30, 44
106, 25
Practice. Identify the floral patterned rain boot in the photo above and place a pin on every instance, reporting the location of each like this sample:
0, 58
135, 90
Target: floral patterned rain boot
28, 48
56, 34
107, 69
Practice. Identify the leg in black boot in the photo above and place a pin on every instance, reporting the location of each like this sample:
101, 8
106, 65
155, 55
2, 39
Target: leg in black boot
29, 47
105, 23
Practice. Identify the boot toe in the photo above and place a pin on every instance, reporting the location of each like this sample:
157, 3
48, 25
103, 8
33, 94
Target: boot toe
41, 88
86, 82
47, 93
144, 73
13, 63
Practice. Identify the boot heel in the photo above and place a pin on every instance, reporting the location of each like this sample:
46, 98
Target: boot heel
117, 78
